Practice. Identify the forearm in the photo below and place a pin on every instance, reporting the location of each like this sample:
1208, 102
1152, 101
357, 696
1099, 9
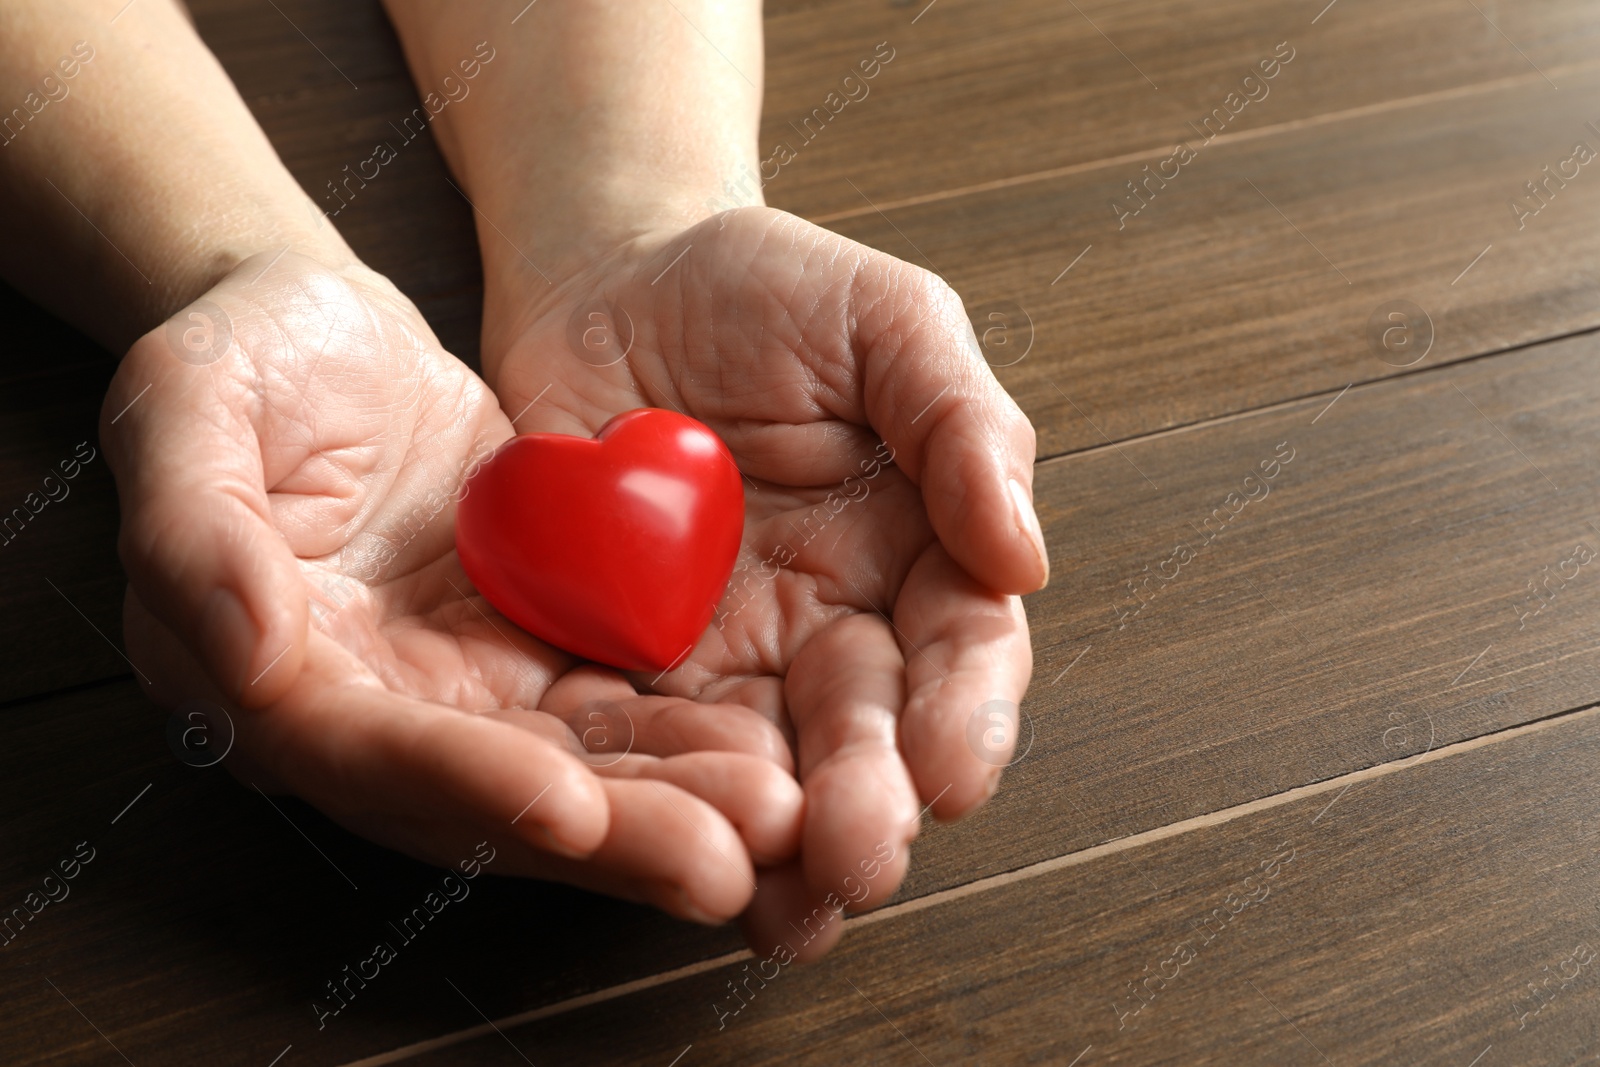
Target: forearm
592, 123
135, 178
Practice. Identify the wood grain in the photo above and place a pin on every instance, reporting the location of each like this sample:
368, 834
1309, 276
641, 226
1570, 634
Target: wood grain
1372, 601
1252, 277
209, 919
1333, 625
1207, 302
973, 95
981, 92
1402, 598
1398, 921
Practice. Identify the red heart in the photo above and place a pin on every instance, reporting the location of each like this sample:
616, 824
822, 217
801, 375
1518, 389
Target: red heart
616, 549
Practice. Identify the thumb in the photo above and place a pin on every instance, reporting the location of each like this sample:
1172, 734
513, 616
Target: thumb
197, 536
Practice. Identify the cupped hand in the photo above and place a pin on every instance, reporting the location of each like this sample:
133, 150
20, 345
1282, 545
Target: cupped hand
889, 525
288, 452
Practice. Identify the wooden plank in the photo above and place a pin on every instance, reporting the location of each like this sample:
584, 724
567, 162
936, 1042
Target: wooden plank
1207, 302
1397, 921
1255, 275
208, 920
1293, 607
1408, 520
1334, 624
1306, 576
1372, 601
979, 92
973, 95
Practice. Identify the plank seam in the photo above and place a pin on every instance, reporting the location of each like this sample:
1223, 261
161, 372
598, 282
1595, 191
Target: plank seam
1227, 815
560, 1007
1305, 398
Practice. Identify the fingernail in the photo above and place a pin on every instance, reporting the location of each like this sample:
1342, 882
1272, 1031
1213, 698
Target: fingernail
1028, 523
228, 639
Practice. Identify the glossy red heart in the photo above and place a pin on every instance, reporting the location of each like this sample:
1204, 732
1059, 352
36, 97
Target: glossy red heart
616, 549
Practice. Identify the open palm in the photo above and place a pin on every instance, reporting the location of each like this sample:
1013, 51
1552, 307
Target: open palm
288, 452
872, 615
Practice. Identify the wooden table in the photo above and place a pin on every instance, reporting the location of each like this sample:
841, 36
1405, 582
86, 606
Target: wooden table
1313, 768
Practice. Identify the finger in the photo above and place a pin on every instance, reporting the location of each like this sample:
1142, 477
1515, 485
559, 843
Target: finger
761, 693
787, 920
967, 665
398, 769
845, 690
668, 848
762, 802
197, 538
954, 430
375, 777
603, 710
396, 784
172, 676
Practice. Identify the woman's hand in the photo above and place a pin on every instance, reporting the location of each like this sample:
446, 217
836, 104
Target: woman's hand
288, 451
889, 520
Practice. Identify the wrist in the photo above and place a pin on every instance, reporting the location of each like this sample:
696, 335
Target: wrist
203, 250
613, 234
584, 130
564, 228
178, 250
